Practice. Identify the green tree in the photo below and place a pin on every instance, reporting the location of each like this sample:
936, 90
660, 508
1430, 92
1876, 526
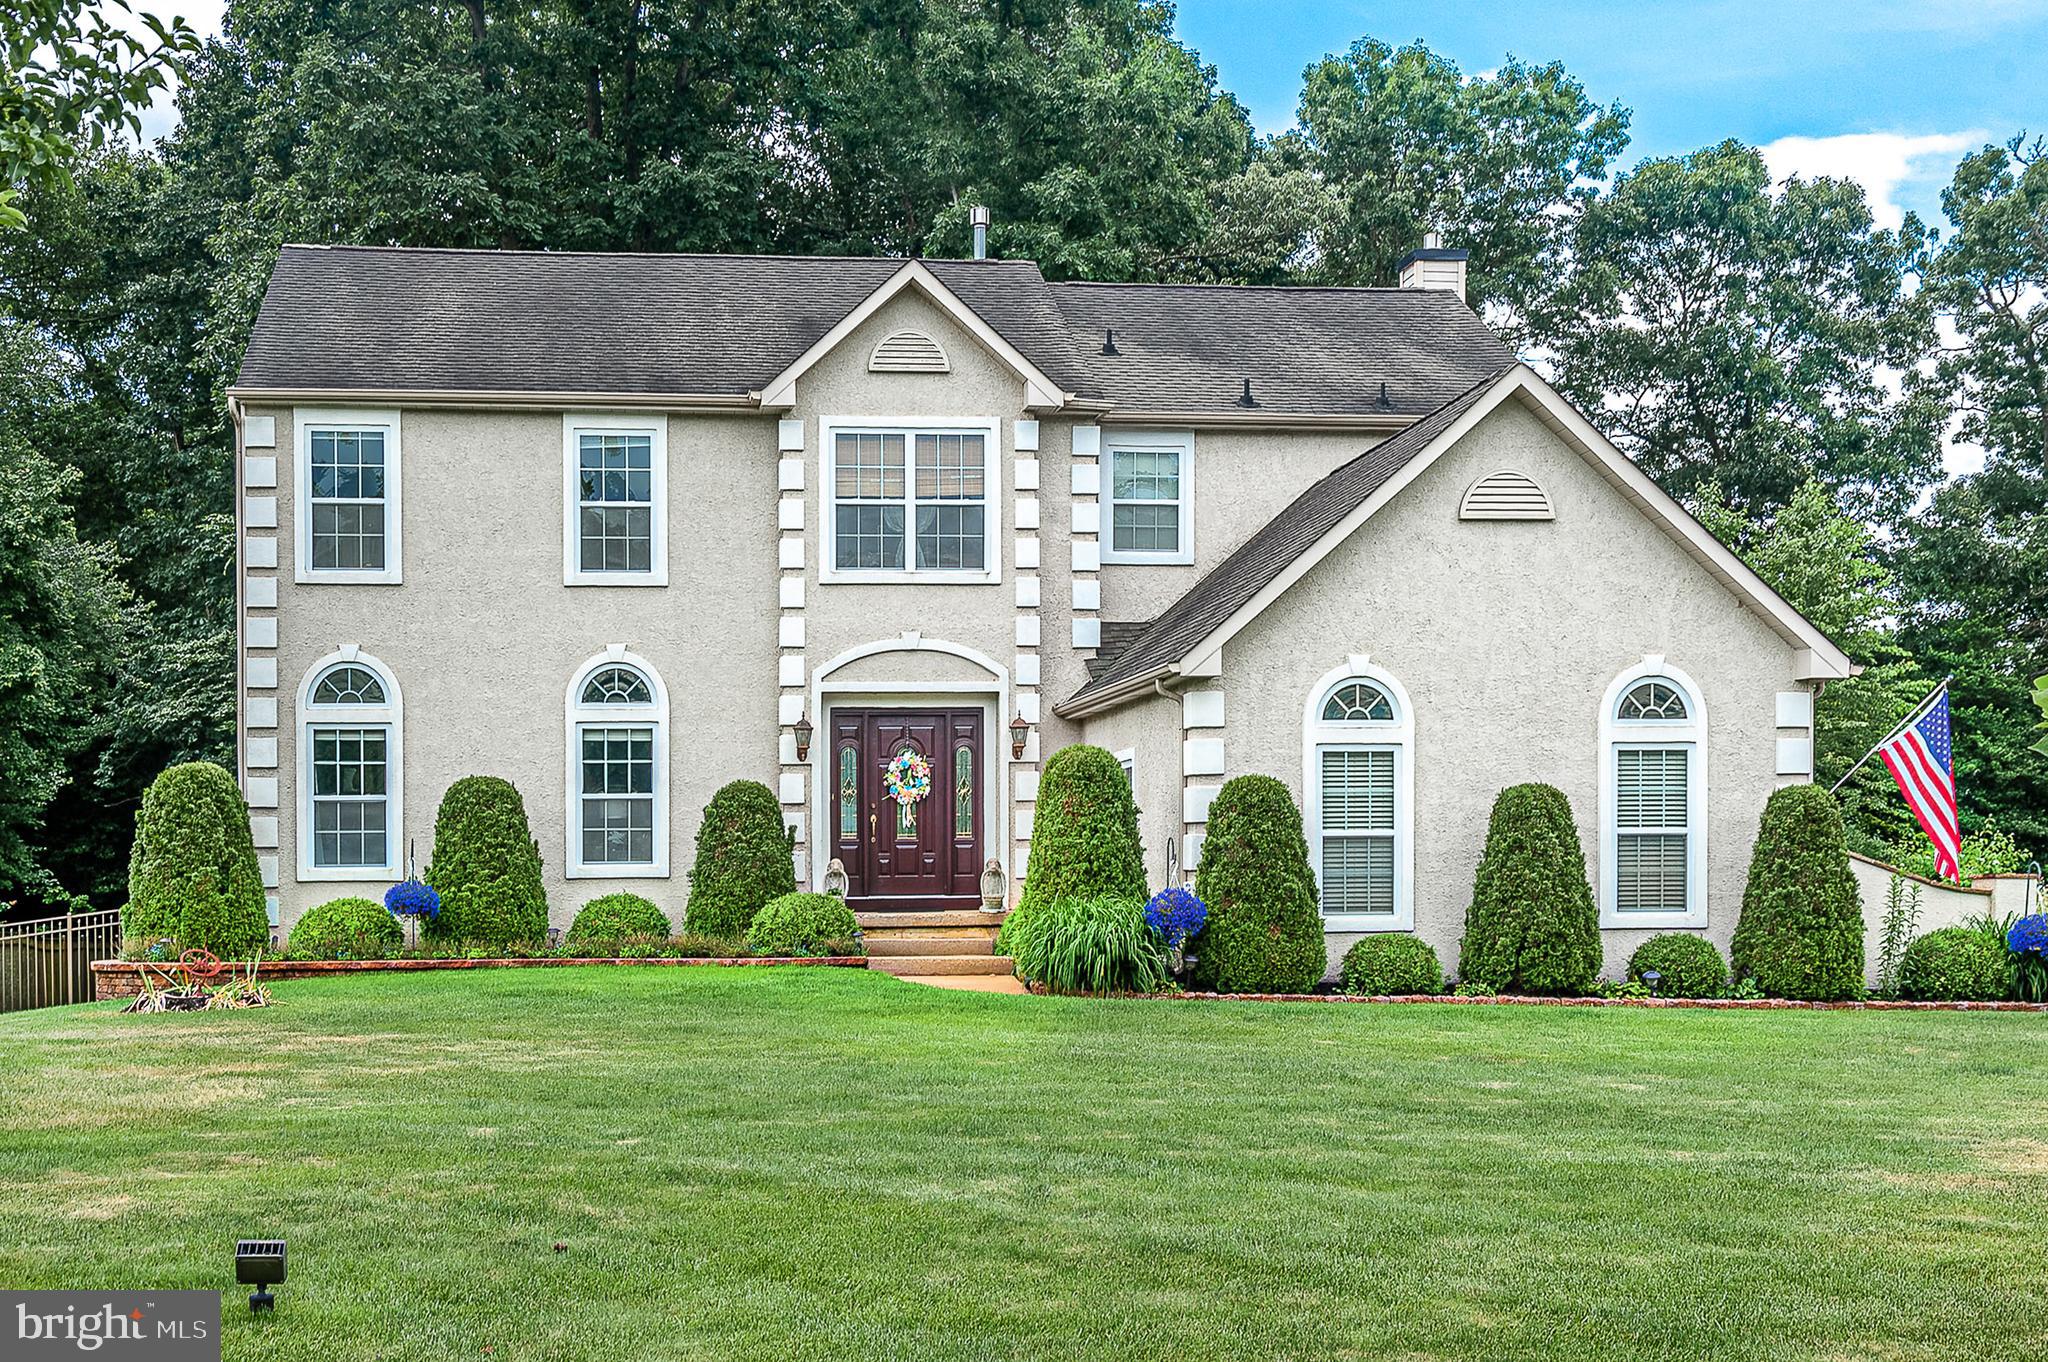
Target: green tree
1733, 330
1084, 832
743, 860
192, 875
1532, 926
486, 867
1263, 933
1801, 930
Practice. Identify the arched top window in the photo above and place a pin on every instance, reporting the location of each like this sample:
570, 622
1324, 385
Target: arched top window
1656, 699
617, 685
347, 684
1358, 702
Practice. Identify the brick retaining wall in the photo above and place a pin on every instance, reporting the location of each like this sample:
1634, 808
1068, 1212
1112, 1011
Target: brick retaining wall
123, 978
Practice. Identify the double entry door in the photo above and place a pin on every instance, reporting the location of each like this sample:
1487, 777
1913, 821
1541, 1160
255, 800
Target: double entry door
921, 854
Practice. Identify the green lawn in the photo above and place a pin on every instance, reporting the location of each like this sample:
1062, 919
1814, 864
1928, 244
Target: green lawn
833, 1164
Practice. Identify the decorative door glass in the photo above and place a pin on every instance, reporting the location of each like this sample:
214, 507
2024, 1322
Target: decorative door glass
849, 792
963, 792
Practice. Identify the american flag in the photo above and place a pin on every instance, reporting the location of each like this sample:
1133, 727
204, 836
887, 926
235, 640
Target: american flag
1921, 761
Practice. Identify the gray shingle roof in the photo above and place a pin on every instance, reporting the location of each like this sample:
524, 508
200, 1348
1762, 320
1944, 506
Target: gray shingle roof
392, 319
1256, 563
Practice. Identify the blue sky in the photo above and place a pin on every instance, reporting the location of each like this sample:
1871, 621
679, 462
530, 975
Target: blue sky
1888, 92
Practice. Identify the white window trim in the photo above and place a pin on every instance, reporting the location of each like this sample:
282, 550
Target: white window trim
1128, 759
829, 430
1319, 735
575, 424
389, 716
306, 420
1619, 734
578, 716
1148, 441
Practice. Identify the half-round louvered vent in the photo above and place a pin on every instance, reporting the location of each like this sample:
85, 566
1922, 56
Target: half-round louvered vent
1506, 495
909, 352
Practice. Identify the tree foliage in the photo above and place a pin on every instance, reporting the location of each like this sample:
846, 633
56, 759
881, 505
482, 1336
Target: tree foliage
192, 875
743, 860
1801, 930
1264, 933
486, 867
1084, 832
1532, 927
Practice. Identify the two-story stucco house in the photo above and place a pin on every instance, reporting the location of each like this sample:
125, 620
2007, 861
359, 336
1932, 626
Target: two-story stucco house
625, 527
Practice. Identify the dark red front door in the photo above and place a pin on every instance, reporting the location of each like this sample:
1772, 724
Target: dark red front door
921, 855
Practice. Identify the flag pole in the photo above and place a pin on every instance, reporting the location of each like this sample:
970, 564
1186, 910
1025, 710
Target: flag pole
1912, 716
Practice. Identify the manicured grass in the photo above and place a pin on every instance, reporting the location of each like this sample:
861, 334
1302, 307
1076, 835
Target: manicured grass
832, 1164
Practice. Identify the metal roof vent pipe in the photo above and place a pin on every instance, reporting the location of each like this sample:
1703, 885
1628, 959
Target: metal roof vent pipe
1433, 266
977, 216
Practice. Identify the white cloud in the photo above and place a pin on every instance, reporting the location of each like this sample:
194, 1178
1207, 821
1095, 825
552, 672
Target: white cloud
204, 17
1882, 162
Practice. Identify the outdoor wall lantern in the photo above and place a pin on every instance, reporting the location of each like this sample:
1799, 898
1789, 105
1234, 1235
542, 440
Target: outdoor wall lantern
1019, 731
260, 1263
802, 729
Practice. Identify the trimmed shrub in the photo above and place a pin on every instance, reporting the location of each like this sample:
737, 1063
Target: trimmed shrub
1263, 933
616, 917
1093, 946
1955, 965
1084, 831
1801, 930
192, 874
1532, 927
345, 929
486, 867
1016, 923
804, 924
1388, 964
1690, 966
743, 860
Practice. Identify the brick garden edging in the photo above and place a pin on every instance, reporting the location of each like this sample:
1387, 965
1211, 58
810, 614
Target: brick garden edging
123, 978
1519, 1000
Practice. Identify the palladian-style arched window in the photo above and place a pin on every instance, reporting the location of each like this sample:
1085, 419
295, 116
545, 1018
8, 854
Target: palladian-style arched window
1652, 800
1358, 786
350, 739
618, 769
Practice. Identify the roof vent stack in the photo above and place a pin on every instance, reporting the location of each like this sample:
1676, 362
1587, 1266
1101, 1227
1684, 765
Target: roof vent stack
1433, 266
977, 216
1109, 342
1383, 402
1245, 398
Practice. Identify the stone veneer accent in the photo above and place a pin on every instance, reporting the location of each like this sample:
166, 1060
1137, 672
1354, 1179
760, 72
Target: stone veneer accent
1025, 672
257, 550
794, 781
1086, 550
1201, 721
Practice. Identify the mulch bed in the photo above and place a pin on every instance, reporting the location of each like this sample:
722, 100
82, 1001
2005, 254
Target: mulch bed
123, 978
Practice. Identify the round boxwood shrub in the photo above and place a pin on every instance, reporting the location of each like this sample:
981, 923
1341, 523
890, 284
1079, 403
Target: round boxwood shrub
743, 860
1084, 831
1532, 926
804, 924
192, 874
486, 867
1955, 965
1690, 966
1389, 964
1092, 946
345, 929
1263, 933
615, 917
1801, 930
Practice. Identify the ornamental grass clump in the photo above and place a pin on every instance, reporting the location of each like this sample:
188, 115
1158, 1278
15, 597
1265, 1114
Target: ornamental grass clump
486, 867
345, 929
192, 874
743, 860
1091, 946
1963, 964
1084, 831
1532, 927
1801, 930
805, 924
618, 917
1686, 966
1264, 933
1391, 965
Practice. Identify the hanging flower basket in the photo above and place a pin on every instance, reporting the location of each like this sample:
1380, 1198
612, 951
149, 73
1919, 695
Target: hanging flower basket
908, 778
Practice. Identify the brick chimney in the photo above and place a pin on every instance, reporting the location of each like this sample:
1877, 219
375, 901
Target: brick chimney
1435, 267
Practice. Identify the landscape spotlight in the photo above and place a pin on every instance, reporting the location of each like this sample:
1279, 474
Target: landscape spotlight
1653, 978
260, 1263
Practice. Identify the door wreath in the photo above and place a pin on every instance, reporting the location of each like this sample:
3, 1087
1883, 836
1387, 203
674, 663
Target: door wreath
908, 777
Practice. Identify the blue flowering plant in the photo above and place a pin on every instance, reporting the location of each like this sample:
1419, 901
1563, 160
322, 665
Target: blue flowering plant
1176, 915
2027, 939
413, 903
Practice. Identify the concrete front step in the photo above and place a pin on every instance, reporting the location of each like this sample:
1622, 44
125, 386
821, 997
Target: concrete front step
955, 917
923, 933
889, 944
941, 964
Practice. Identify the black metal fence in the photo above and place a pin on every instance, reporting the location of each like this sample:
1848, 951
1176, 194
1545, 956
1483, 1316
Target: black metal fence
47, 962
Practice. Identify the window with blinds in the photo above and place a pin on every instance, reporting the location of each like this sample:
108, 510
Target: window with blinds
1357, 830
1653, 822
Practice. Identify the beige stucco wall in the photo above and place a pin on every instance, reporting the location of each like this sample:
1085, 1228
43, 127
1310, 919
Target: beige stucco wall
1506, 636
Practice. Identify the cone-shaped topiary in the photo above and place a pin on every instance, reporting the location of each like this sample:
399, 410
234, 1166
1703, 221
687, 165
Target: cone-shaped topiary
743, 860
192, 875
1532, 926
486, 867
1687, 966
345, 929
1084, 832
1263, 934
1801, 930
614, 917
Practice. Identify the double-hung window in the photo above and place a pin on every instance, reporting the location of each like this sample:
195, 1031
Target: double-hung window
1150, 497
910, 501
347, 502
615, 529
1654, 786
618, 771
349, 771
1360, 793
